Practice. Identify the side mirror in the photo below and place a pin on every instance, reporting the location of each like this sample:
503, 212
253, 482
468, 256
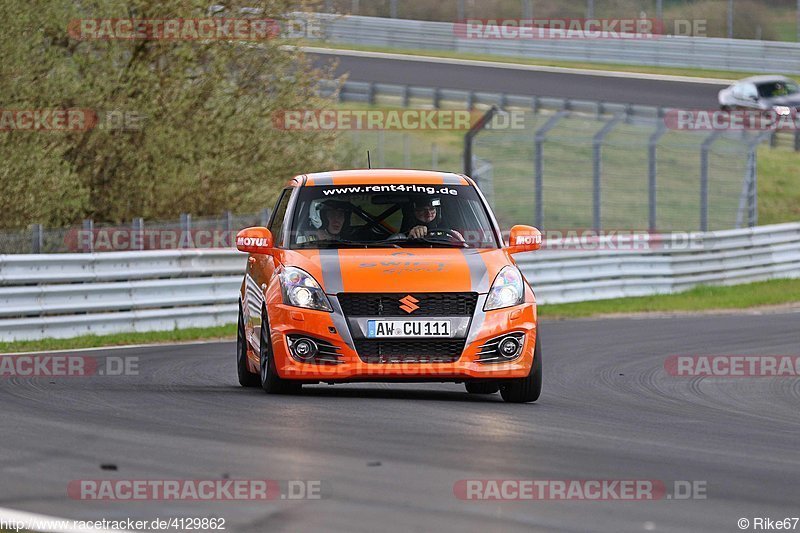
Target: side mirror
256, 240
524, 239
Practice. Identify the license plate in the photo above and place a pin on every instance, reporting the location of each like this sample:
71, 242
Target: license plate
408, 328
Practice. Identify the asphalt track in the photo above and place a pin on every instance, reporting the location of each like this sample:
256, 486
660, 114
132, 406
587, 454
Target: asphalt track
654, 92
388, 456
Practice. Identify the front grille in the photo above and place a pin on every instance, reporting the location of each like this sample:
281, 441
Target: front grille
410, 351
388, 304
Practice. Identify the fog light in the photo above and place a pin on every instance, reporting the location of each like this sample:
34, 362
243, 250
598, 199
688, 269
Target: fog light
509, 347
304, 349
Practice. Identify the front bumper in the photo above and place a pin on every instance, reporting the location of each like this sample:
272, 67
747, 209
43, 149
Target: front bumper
328, 327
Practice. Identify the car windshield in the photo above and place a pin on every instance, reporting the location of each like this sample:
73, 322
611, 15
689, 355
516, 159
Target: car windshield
778, 88
391, 216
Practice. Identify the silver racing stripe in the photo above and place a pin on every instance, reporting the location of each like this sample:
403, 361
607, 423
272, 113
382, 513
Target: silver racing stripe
478, 273
340, 323
332, 283
453, 179
331, 271
477, 319
322, 179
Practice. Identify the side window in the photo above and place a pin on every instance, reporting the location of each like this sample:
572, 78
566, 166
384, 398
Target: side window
278, 216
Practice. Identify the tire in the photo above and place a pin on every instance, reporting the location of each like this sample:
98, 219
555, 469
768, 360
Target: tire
477, 387
269, 379
528, 389
246, 378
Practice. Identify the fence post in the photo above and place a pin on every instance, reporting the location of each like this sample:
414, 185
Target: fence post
434, 156
470, 135
730, 19
37, 239
137, 225
229, 237
88, 228
381, 143
797, 136
538, 164
597, 167
652, 173
371, 93
406, 95
704, 149
527, 9
354, 7
460, 10
406, 151
393, 9
437, 98
186, 228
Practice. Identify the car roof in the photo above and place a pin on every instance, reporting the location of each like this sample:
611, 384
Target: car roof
380, 176
764, 79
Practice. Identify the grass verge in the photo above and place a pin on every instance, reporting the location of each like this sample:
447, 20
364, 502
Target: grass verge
227, 332
704, 298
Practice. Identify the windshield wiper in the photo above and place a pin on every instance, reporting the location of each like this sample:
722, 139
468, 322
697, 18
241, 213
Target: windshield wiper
347, 244
430, 242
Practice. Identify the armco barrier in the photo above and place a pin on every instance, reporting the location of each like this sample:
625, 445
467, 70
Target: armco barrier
671, 51
66, 295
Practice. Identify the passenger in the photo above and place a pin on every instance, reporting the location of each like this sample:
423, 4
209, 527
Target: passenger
335, 217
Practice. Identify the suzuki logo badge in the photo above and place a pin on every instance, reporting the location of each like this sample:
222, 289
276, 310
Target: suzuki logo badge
409, 304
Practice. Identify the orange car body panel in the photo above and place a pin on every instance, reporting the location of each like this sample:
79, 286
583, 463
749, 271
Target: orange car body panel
382, 270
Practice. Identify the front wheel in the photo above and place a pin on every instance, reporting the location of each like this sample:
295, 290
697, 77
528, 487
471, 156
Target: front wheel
527, 389
246, 378
271, 382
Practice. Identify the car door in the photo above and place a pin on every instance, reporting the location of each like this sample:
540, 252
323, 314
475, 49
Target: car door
261, 269
745, 96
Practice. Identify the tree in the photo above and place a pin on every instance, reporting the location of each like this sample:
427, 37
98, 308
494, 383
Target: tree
184, 125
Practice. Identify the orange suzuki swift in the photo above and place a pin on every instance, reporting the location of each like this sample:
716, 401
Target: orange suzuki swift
387, 275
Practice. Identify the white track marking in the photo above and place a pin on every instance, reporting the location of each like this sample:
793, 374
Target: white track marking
43, 523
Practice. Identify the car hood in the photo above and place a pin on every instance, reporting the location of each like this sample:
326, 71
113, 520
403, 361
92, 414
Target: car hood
400, 270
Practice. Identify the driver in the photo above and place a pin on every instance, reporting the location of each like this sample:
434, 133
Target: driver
425, 216
335, 217
780, 89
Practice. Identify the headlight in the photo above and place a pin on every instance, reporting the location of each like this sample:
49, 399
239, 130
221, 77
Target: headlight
507, 290
782, 110
300, 289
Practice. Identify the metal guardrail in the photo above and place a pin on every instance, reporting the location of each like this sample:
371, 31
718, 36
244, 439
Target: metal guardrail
715, 258
407, 95
67, 295
671, 51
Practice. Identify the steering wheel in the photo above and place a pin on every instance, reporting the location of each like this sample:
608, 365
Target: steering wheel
453, 235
